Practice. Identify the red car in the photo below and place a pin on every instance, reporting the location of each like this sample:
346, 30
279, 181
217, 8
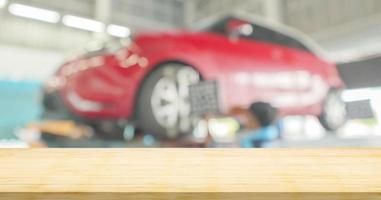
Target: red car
148, 80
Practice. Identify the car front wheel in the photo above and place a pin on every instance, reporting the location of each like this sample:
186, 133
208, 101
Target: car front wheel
163, 105
334, 114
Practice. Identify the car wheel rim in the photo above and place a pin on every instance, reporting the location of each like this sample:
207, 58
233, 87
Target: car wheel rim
170, 99
335, 111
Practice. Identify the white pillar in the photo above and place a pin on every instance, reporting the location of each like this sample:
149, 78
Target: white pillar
103, 13
189, 11
273, 10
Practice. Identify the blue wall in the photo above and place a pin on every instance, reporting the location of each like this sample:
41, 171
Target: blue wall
20, 103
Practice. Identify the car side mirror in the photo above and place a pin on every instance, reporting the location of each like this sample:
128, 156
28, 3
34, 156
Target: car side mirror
235, 29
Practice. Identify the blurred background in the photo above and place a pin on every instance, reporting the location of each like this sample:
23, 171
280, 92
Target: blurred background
38, 36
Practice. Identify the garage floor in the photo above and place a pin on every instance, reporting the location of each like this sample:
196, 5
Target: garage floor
327, 141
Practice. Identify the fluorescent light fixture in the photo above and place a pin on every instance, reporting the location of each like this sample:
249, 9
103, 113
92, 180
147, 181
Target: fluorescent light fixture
83, 23
357, 95
34, 13
118, 31
3, 3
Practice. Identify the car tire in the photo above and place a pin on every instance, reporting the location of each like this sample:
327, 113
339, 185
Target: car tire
163, 107
334, 115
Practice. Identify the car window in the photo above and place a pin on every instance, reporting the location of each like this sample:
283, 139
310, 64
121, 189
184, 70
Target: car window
219, 26
264, 34
260, 33
97, 48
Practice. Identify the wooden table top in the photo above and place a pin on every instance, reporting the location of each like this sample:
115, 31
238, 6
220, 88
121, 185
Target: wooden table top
190, 174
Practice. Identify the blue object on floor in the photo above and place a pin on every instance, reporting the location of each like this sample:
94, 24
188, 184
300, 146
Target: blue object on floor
260, 137
149, 140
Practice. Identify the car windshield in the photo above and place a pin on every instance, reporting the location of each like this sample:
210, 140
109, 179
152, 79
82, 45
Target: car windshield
260, 33
96, 48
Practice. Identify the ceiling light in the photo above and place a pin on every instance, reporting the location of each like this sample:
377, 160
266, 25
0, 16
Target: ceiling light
3, 3
83, 23
34, 13
357, 95
118, 31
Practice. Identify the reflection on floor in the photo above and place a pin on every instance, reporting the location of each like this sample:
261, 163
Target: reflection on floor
332, 142
303, 132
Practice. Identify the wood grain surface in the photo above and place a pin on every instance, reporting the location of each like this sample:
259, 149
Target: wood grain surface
190, 174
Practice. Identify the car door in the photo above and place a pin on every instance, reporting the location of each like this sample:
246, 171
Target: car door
249, 67
261, 70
